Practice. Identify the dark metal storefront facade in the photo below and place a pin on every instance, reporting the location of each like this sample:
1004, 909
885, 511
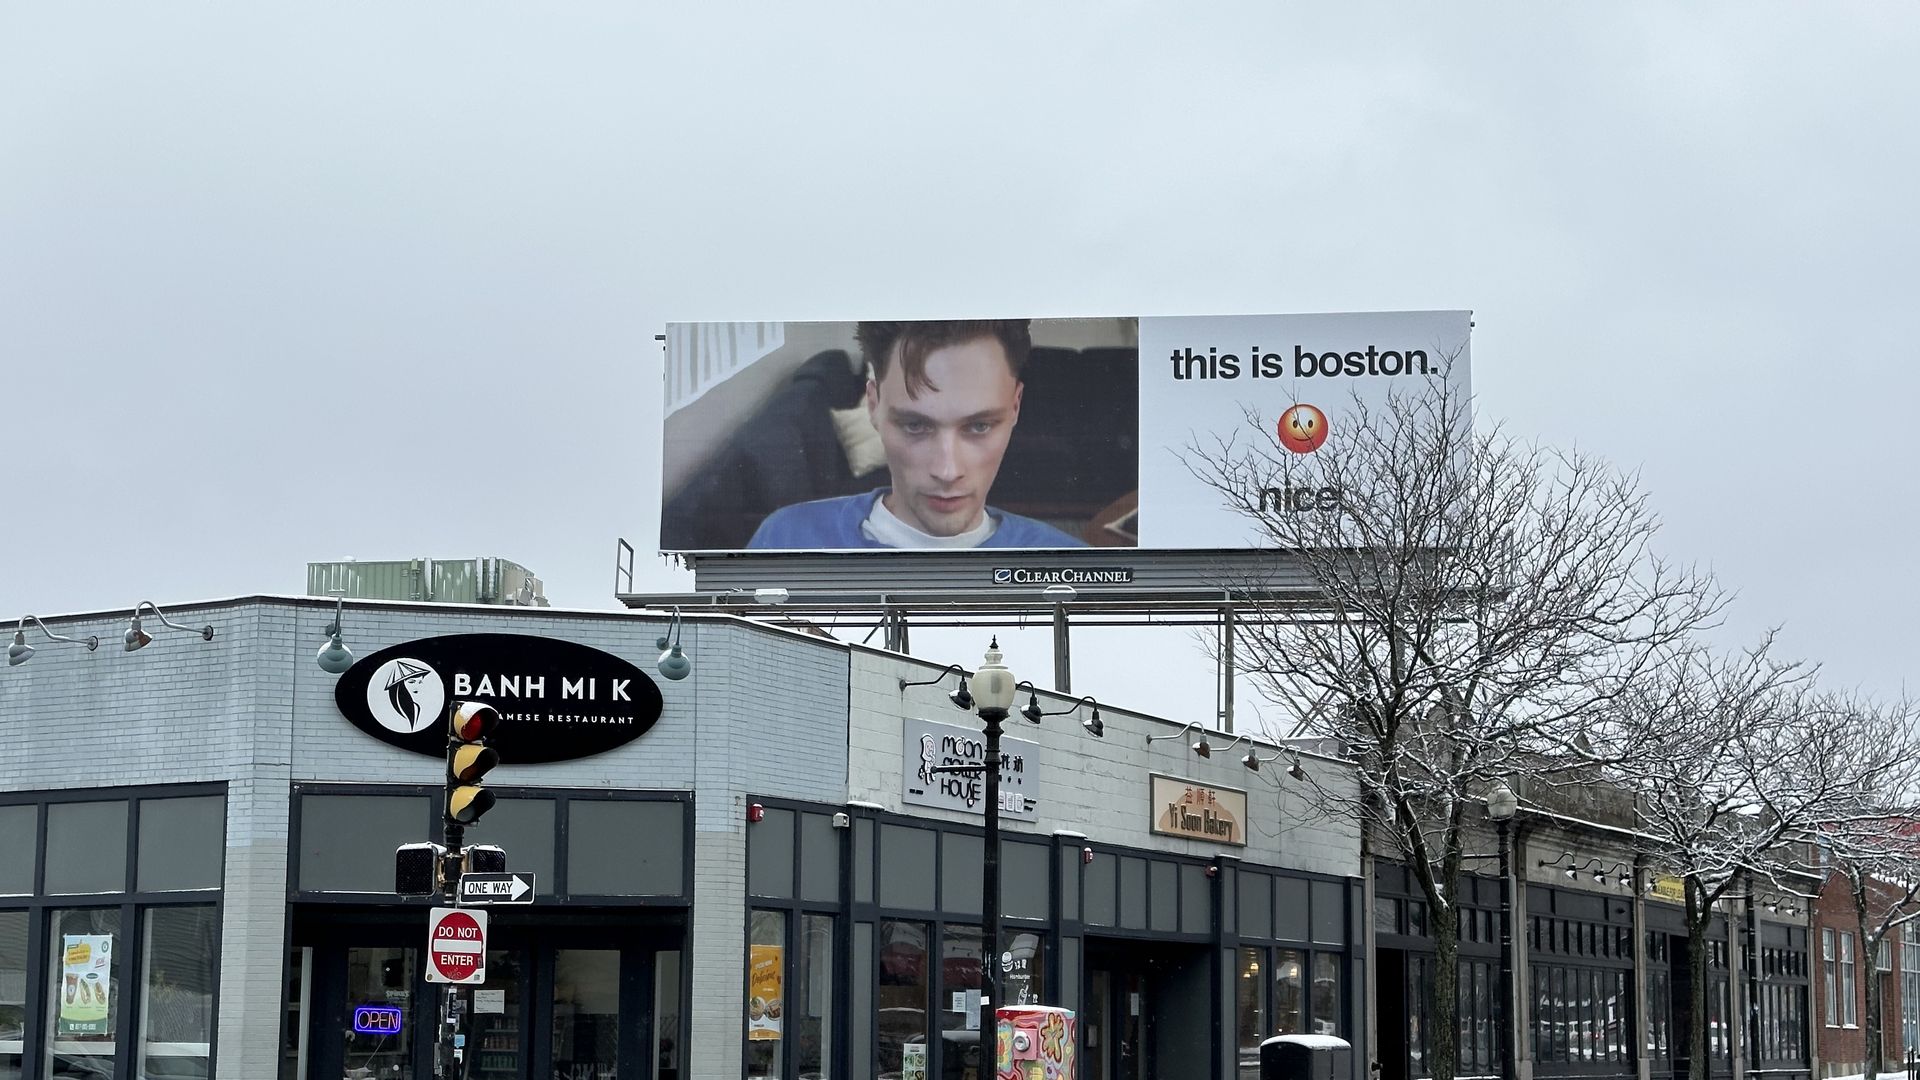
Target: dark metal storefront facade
588, 982
880, 976
1604, 984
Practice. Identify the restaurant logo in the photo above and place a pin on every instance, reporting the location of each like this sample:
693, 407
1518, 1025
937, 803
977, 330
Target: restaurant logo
1199, 811
405, 695
927, 745
558, 700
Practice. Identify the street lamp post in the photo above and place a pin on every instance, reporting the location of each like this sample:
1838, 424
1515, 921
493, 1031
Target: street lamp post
993, 697
1501, 805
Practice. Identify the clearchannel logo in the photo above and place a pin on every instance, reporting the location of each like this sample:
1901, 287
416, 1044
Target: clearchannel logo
1061, 575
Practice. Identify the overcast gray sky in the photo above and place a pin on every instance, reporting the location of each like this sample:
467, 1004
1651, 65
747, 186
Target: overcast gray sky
281, 283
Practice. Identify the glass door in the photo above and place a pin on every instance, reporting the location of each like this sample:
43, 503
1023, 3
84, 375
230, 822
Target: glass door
493, 1022
585, 999
1130, 1042
1115, 1025
1095, 1024
381, 1015
554, 1006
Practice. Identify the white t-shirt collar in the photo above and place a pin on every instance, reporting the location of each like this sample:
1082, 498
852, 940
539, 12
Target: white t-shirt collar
882, 527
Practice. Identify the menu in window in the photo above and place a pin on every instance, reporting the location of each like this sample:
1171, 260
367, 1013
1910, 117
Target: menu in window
85, 984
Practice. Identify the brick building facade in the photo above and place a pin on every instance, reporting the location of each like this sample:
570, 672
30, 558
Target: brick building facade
1841, 980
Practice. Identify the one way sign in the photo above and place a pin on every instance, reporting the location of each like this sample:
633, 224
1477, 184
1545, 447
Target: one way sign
514, 888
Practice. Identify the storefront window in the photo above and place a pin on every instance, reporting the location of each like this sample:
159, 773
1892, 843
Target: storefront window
766, 1011
1247, 1009
13, 992
900, 1032
812, 1009
178, 951
87, 847
960, 960
19, 834
1326, 994
648, 834
182, 843
666, 1013
347, 841
586, 1013
1023, 967
1289, 991
83, 992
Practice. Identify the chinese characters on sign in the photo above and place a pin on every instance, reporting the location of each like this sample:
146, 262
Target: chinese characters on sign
926, 744
1198, 811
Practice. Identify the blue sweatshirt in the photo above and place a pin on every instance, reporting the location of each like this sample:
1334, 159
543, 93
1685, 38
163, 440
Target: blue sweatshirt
827, 524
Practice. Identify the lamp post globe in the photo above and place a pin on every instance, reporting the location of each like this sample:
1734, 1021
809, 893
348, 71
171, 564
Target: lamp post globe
993, 684
1501, 802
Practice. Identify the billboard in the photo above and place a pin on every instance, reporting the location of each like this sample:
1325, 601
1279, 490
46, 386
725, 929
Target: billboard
1032, 434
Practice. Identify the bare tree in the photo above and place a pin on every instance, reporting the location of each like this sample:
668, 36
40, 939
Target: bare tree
1871, 847
1453, 608
1737, 763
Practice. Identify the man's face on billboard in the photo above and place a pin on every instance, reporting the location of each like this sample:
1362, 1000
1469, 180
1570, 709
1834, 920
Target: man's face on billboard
944, 447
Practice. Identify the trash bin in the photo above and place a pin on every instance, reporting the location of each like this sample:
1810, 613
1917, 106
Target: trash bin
1306, 1057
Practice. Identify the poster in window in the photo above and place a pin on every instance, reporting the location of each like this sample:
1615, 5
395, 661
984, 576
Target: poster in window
765, 968
85, 984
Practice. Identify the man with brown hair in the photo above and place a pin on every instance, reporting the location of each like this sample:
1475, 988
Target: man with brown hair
944, 397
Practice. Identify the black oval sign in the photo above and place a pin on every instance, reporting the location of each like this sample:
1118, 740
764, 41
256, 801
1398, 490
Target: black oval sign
558, 700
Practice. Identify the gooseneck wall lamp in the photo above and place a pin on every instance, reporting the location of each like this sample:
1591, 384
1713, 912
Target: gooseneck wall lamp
1092, 725
135, 638
334, 657
961, 698
1236, 741
1253, 761
1181, 734
674, 664
20, 652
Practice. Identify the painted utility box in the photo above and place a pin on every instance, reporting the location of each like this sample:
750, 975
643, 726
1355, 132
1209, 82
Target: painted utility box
1034, 1042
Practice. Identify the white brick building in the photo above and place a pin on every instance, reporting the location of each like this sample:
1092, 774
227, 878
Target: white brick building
197, 829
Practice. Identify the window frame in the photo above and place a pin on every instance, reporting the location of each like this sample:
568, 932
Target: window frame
552, 896
1830, 977
795, 910
1849, 981
132, 904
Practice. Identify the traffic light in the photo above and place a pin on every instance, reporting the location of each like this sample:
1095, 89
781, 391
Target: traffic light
468, 759
483, 859
416, 869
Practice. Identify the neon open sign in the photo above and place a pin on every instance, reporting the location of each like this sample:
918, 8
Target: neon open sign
376, 1020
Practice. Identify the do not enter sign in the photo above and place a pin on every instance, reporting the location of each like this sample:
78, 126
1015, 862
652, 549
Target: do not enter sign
457, 946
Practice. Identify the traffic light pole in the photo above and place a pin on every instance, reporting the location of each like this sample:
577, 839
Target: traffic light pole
453, 836
468, 759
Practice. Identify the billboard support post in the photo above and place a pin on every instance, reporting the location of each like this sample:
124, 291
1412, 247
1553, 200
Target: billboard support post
1226, 668
895, 622
1062, 652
